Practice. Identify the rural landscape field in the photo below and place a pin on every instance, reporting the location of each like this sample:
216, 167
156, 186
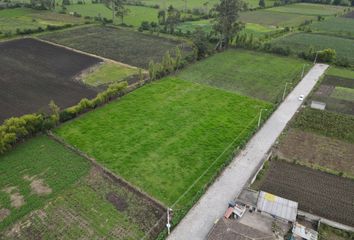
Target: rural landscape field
144, 119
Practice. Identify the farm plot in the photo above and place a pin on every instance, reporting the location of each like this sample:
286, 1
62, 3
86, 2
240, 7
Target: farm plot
337, 93
301, 42
339, 26
23, 18
163, 136
130, 47
33, 73
309, 9
253, 74
320, 193
49, 192
135, 16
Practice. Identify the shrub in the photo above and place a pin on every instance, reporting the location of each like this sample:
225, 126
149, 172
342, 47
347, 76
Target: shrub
326, 55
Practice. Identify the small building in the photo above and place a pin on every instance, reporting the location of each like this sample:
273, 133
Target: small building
276, 206
318, 105
301, 232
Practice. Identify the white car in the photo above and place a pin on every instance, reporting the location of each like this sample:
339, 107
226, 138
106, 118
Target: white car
301, 98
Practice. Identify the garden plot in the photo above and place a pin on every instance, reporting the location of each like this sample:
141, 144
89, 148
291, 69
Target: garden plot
23, 18
33, 73
127, 46
301, 42
48, 192
309, 9
319, 193
163, 136
339, 26
254, 74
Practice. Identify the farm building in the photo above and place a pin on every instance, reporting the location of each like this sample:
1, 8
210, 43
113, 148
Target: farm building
318, 105
276, 206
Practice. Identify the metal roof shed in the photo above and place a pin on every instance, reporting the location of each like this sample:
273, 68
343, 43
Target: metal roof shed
277, 206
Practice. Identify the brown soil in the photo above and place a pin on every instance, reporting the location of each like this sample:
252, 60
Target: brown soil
40, 188
320, 193
349, 15
119, 203
311, 148
4, 212
17, 200
324, 91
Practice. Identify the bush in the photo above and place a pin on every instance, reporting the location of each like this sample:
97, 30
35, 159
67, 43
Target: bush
326, 55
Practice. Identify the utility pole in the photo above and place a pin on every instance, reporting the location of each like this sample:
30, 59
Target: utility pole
314, 62
286, 84
303, 71
168, 225
260, 116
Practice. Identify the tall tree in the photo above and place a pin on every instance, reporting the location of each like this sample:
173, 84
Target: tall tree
225, 23
121, 12
116, 6
262, 3
161, 16
173, 18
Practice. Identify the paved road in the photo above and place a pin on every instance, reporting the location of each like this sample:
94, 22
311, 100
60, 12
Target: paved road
213, 203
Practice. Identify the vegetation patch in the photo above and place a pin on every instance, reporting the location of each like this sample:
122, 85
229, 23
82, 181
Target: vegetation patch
335, 25
301, 42
106, 73
127, 46
309, 9
28, 86
259, 75
343, 93
327, 232
326, 123
341, 72
163, 136
315, 191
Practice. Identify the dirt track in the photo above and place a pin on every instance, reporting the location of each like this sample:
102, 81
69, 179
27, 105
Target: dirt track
33, 73
322, 194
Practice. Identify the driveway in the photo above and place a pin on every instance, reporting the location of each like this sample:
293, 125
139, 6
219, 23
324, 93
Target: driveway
199, 220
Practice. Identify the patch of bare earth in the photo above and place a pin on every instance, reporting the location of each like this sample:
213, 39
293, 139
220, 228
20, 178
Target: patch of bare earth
312, 148
4, 213
38, 186
324, 91
17, 200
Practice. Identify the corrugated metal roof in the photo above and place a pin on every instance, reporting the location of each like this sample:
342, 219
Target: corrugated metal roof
277, 206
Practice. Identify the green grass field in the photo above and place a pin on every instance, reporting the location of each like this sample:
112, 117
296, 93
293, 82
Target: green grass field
343, 93
309, 9
135, 16
108, 73
206, 25
274, 19
341, 72
163, 136
23, 18
303, 41
340, 26
39, 159
249, 73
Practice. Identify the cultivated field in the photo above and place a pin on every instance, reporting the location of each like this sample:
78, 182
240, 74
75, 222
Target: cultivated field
303, 41
163, 136
339, 26
22, 18
135, 16
33, 73
249, 73
122, 45
320, 193
49, 192
309, 9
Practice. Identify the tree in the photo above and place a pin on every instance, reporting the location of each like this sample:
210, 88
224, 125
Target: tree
200, 40
225, 24
173, 18
262, 3
161, 16
55, 112
117, 7
121, 12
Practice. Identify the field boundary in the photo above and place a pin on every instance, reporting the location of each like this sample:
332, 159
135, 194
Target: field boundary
86, 53
108, 173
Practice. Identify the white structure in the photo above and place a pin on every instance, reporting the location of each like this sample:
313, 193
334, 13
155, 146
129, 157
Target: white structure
302, 232
318, 105
277, 206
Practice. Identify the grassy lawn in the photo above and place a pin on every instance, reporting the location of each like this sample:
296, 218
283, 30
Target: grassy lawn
163, 136
23, 18
108, 73
123, 45
343, 93
340, 26
275, 19
341, 72
249, 73
309, 9
135, 16
303, 41
40, 160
